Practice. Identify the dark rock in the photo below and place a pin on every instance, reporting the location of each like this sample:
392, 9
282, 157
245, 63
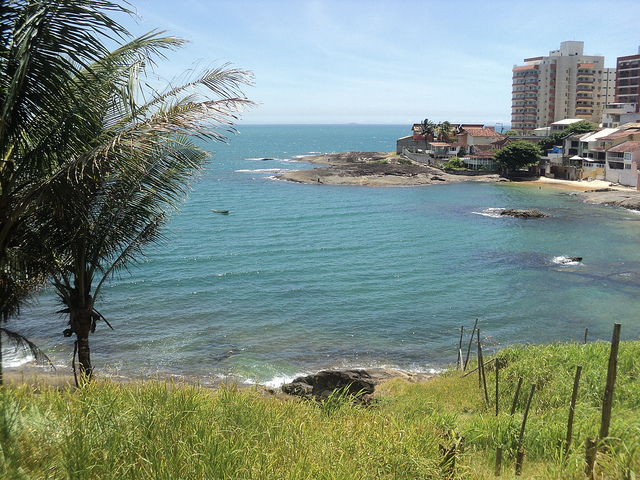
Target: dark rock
528, 213
598, 190
321, 385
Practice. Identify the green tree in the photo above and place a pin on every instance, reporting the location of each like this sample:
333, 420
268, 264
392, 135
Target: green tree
444, 131
510, 133
557, 138
517, 155
427, 130
88, 165
136, 164
41, 42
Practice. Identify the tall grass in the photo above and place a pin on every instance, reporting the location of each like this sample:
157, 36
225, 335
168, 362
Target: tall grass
160, 430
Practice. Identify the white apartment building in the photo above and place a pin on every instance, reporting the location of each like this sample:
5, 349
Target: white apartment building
564, 84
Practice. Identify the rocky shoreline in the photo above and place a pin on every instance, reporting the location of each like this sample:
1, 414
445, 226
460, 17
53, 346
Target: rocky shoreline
376, 169
379, 169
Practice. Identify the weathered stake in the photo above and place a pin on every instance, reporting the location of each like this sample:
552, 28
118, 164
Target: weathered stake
497, 388
470, 342
611, 380
498, 468
515, 397
520, 453
586, 332
459, 362
482, 374
592, 449
572, 406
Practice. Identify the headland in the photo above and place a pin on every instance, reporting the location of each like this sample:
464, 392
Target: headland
375, 169
380, 169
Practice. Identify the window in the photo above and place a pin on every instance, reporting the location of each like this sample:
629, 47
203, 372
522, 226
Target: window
627, 155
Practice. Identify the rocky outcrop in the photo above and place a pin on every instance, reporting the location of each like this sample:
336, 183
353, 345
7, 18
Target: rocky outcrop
527, 213
373, 169
629, 199
357, 383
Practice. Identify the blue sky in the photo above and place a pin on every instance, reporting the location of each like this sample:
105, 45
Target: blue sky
383, 62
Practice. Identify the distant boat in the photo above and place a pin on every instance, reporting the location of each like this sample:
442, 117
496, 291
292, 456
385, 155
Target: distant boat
224, 212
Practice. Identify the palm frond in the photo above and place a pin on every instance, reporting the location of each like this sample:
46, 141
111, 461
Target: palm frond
23, 343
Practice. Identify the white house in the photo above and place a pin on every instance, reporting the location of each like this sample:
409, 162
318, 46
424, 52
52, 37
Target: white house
622, 164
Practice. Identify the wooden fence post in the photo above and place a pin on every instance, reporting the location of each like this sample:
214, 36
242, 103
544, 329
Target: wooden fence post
497, 387
498, 461
611, 380
520, 453
515, 396
470, 342
592, 449
483, 377
572, 406
586, 332
459, 362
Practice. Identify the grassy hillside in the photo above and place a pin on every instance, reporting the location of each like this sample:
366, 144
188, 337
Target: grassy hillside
155, 430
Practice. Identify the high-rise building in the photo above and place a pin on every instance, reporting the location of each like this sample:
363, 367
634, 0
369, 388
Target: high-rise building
628, 80
564, 84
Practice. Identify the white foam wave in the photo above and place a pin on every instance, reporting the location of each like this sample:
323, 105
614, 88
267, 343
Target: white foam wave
264, 170
490, 212
565, 261
13, 360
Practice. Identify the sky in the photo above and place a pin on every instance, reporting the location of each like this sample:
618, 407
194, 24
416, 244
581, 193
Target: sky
381, 62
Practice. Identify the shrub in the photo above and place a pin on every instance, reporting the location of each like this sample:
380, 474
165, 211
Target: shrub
454, 163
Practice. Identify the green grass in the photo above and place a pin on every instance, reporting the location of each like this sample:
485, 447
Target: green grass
159, 430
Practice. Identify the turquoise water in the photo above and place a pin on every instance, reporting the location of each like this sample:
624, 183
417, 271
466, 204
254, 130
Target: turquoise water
302, 277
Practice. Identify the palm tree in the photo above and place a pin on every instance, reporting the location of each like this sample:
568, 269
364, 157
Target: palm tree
42, 45
445, 131
427, 129
111, 201
78, 140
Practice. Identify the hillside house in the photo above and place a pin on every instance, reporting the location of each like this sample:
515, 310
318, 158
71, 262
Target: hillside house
478, 136
622, 163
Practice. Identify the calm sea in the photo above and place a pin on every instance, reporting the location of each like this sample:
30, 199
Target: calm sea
298, 278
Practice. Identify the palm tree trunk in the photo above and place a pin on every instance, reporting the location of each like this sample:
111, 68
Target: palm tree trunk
84, 356
81, 326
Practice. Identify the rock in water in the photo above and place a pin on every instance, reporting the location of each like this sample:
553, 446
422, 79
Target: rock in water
321, 385
527, 213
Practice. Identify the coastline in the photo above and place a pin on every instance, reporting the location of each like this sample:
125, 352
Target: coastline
379, 169
374, 169
596, 192
39, 378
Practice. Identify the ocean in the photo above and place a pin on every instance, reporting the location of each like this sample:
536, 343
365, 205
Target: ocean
298, 278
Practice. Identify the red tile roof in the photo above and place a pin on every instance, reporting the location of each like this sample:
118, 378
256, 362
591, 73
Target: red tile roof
625, 147
483, 132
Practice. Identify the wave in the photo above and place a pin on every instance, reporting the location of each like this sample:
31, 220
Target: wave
566, 261
13, 360
490, 212
264, 170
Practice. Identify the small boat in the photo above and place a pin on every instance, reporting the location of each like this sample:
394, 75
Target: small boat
224, 212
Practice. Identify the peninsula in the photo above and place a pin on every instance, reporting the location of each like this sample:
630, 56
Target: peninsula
376, 169
380, 169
